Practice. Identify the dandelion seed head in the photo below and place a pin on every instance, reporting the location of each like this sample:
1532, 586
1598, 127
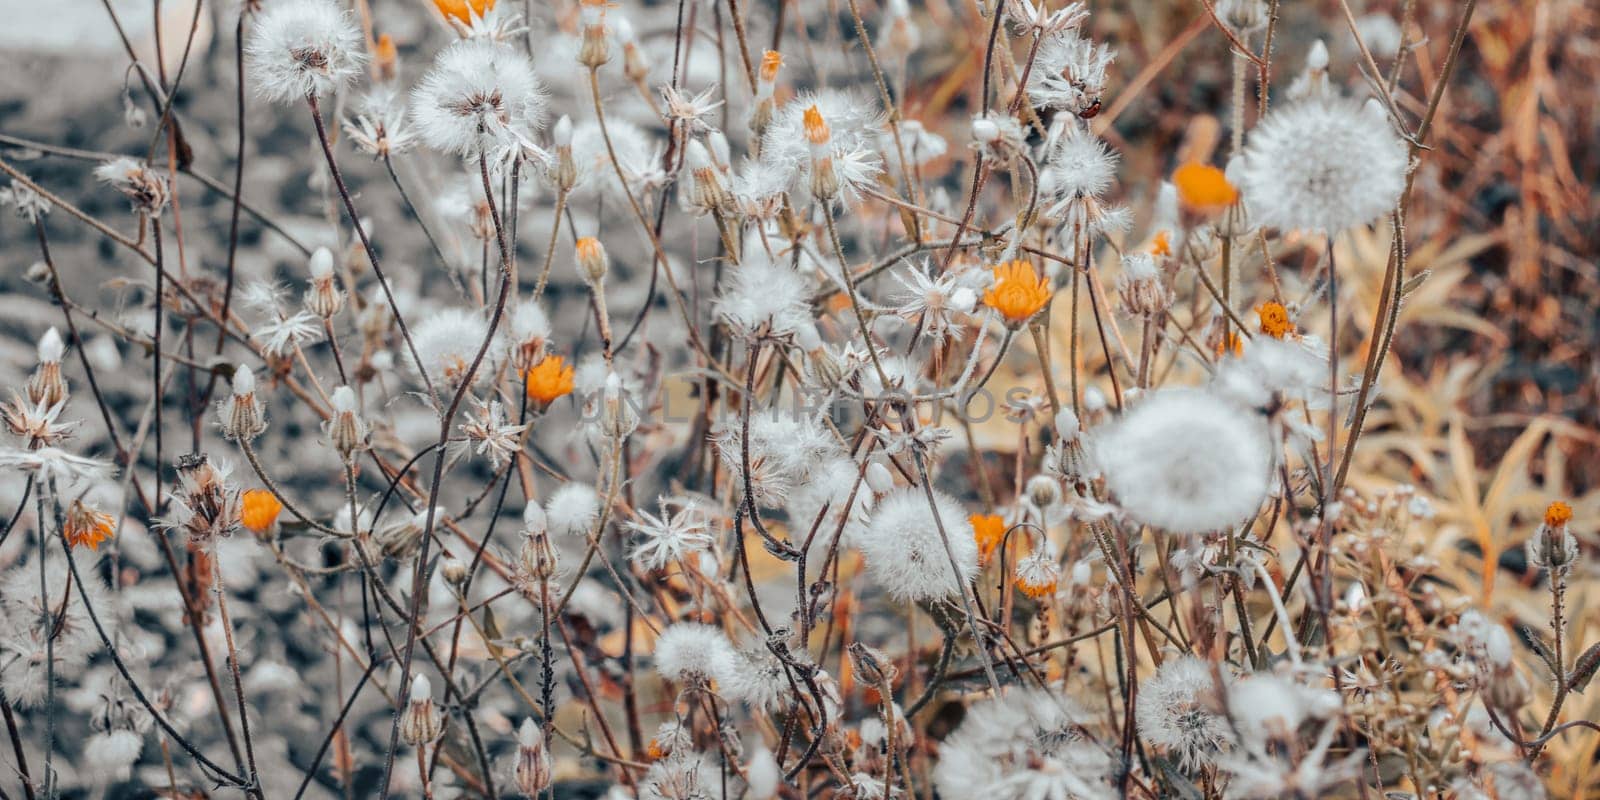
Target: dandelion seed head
905, 552
1322, 165
479, 95
1186, 460
301, 48
690, 652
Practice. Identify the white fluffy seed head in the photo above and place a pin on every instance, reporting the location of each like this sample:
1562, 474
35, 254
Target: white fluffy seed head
533, 520
1186, 460
1323, 164
572, 509
904, 549
689, 652
301, 48
1067, 425
479, 95
561, 135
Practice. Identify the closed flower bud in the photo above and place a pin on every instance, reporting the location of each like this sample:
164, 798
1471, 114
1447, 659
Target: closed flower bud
766, 84
592, 261
46, 386
421, 722
635, 64
1140, 288
872, 665
242, 415
453, 570
346, 431
707, 191
1553, 547
617, 418
595, 49
324, 297
566, 172
533, 760
537, 559
1043, 491
144, 187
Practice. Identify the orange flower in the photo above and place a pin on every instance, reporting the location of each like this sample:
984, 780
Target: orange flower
86, 526
259, 508
817, 131
1036, 590
1018, 292
463, 10
1557, 514
1232, 345
988, 530
771, 62
1203, 187
550, 379
386, 56
1274, 319
1162, 246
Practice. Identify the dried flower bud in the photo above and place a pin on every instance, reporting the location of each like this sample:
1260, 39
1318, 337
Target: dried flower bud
242, 416
145, 187
1140, 288
617, 418
635, 64
592, 261
566, 172
872, 664
707, 191
1043, 491
537, 559
346, 431
46, 386
533, 760
1553, 547
324, 297
766, 84
420, 723
595, 49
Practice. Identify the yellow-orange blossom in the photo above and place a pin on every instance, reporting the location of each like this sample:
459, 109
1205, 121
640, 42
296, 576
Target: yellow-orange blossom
1018, 292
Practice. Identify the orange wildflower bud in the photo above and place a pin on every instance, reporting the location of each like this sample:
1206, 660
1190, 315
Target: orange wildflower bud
1162, 246
1036, 590
259, 509
1018, 292
1557, 514
550, 379
463, 10
771, 62
1274, 319
387, 57
86, 526
1203, 187
817, 131
988, 530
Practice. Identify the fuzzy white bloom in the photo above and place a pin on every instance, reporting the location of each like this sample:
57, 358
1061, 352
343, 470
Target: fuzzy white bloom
1069, 73
281, 336
478, 96
829, 485
785, 449
572, 509
448, 341
765, 292
1323, 164
1180, 711
1186, 460
669, 537
1076, 164
112, 754
527, 336
639, 155
905, 552
1266, 706
688, 652
1022, 746
303, 48
825, 144
757, 678
763, 774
